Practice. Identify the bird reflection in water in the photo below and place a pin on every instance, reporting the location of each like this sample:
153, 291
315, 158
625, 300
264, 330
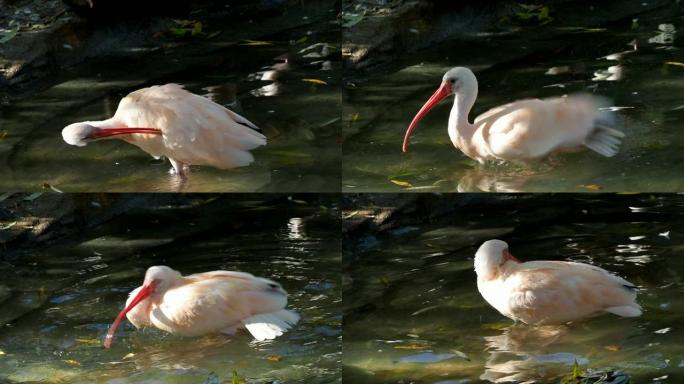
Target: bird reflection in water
518, 353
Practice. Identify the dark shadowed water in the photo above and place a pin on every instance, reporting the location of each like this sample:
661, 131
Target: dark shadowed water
58, 302
414, 314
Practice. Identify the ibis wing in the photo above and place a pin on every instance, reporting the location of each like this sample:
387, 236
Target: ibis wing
550, 292
216, 301
195, 129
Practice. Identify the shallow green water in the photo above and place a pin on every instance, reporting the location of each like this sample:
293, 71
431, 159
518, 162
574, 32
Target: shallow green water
515, 65
262, 82
413, 312
59, 302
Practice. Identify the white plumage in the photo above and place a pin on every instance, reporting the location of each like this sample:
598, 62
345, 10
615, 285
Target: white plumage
169, 121
210, 302
522, 130
549, 292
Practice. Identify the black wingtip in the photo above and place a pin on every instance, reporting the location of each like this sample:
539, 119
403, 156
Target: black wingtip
254, 127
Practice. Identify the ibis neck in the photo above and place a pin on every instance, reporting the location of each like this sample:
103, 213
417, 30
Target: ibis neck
460, 129
104, 124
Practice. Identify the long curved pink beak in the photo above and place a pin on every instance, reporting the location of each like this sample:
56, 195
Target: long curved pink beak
144, 292
443, 91
107, 132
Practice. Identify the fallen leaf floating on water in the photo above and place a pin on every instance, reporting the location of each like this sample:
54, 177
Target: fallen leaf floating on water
256, 42
187, 27
72, 362
48, 186
214, 34
675, 63
8, 226
533, 11
2, 353
7, 35
495, 326
274, 358
401, 183
613, 348
89, 341
129, 355
592, 187
196, 29
315, 81
413, 346
236, 379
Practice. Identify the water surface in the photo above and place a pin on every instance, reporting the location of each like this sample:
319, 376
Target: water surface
413, 312
263, 81
58, 302
516, 64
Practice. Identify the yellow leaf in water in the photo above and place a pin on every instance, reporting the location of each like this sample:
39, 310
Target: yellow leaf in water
129, 355
274, 358
413, 347
89, 341
2, 353
256, 42
72, 362
613, 348
675, 63
401, 183
592, 187
214, 34
315, 81
495, 326
197, 28
8, 226
354, 117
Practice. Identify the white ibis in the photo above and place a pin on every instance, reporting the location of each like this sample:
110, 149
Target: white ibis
210, 302
169, 121
549, 292
522, 130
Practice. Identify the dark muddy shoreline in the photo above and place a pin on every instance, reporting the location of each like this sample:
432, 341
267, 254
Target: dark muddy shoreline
54, 36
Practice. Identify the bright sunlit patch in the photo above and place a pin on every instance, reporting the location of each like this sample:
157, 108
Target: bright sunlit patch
295, 227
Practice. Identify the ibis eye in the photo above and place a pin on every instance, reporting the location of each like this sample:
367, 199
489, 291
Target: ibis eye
452, 81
